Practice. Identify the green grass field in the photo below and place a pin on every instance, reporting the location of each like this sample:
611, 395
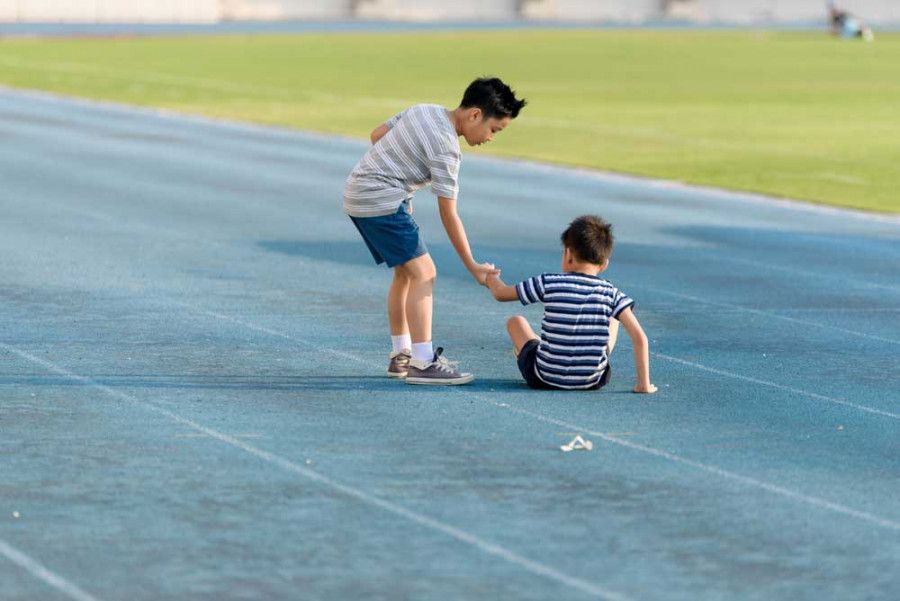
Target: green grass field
791, 114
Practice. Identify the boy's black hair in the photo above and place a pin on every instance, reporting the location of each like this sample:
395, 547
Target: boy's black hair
493, 97
589, 238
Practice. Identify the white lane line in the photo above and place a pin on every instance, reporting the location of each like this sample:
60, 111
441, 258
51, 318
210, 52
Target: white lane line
633, 180
774, 488
699, 366
269, 331
810, 274
842, 310
42, 573
779, 490
423, 520
706, 301
813, 395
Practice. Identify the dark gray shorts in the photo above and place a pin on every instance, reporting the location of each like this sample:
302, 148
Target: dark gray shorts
528, 357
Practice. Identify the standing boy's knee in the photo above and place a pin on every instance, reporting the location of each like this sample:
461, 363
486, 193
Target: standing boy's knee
420, 270
400, 275
424, 277
424, 274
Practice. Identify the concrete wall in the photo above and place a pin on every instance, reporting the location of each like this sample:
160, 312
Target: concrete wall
426, 10
100, 11
625, 11
239, 10
606, 10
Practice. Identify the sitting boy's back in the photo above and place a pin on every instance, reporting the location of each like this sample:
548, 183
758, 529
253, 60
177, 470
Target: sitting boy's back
578, 307
582, 312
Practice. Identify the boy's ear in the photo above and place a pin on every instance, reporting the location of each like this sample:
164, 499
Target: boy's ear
605, 265
475, 113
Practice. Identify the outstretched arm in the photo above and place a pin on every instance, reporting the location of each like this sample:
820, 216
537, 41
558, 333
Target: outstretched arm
502, 292
641, 350
457, 234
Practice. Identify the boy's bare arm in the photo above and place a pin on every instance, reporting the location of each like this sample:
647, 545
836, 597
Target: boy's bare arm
641, 350
379, 132
501, 291
457, 234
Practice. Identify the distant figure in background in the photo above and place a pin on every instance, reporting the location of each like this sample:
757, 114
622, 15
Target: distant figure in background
846, 25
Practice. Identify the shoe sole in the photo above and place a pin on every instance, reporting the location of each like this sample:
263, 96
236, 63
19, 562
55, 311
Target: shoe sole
398, 375
440, 381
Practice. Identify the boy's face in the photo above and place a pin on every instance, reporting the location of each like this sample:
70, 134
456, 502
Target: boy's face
477, 130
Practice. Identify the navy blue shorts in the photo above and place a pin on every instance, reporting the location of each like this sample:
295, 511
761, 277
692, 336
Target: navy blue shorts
392, 239
528, 357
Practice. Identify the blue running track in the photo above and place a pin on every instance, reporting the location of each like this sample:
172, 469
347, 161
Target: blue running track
193, 406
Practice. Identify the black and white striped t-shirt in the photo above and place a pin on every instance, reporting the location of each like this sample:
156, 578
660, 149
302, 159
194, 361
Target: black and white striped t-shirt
421, 147
575, 327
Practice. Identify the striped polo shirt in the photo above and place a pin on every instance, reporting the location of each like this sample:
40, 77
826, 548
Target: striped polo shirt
421, 147
575, 327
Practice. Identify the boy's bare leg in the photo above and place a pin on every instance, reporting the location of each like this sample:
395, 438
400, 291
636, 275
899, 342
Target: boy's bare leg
520, 332
400, 340
397, 302
422, 368
421, 274
613, 335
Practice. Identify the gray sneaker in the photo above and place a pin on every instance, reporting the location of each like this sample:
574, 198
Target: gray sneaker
399, 364
438, 371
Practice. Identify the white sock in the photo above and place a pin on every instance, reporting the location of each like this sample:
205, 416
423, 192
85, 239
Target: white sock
401, 343
422, 351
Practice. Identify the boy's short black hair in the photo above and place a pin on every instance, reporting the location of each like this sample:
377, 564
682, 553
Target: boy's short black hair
589, 238
493, 97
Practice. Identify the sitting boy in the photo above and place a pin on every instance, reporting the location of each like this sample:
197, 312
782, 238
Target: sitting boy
581, 320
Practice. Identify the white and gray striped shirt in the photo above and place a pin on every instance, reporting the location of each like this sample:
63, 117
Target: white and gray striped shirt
421, 147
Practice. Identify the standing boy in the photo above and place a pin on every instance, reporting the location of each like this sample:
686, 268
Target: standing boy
415, 147
581, 320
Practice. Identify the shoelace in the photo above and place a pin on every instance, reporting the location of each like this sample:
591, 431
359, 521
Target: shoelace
446, 365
